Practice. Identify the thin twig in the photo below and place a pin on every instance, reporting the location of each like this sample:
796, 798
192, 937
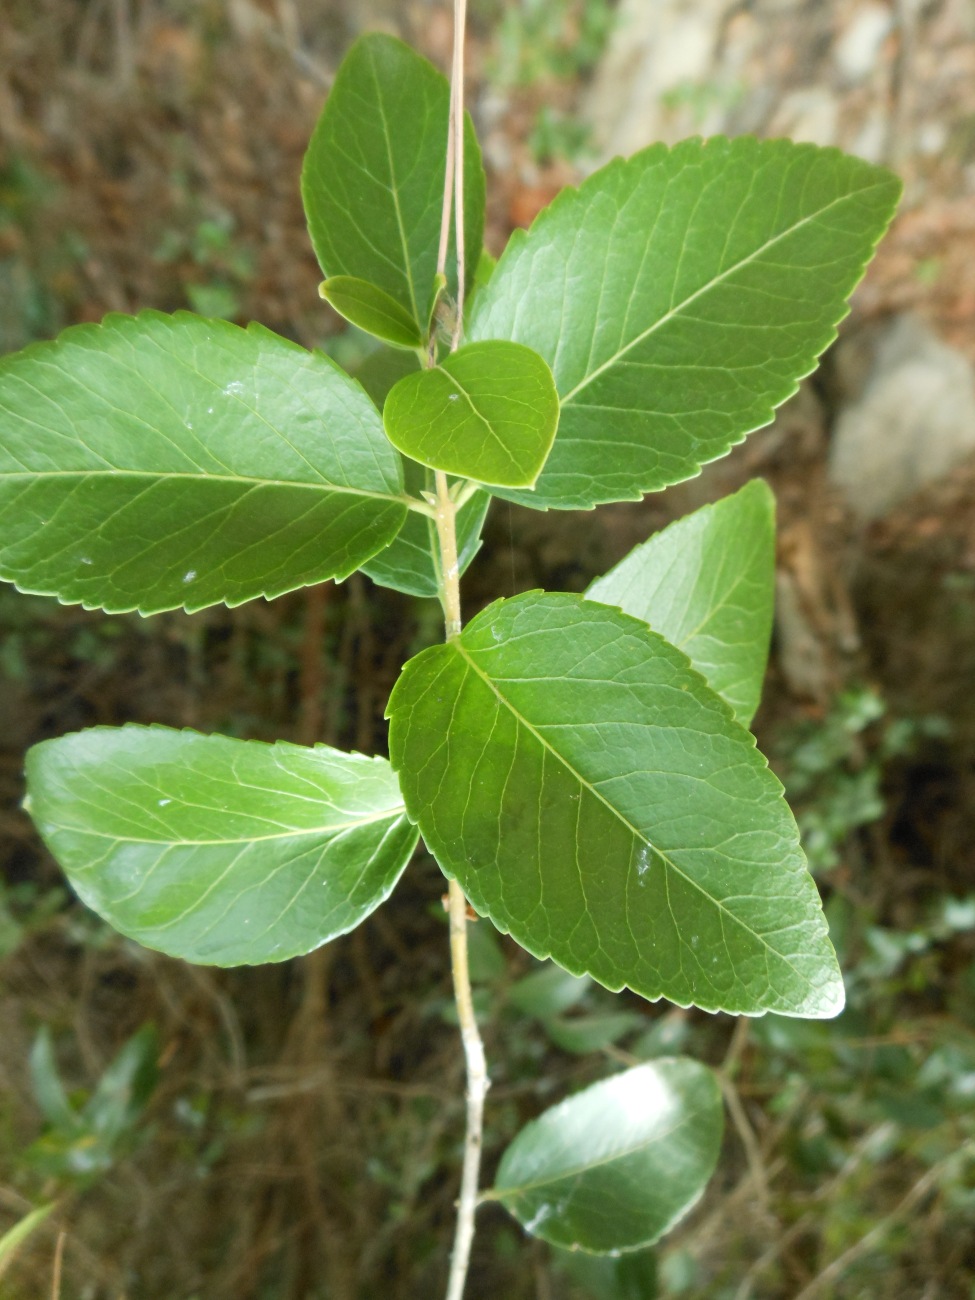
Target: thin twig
477, 1086
58, 1257
457, 113
746, 1133
446, 516
917, 1192
448, 188
726, 1079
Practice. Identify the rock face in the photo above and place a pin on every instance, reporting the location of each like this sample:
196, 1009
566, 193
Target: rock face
913, 422
657, 55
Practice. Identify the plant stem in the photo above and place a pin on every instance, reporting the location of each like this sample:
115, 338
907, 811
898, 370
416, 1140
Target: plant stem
446, 519
477, 1080
477, 1086
457, 113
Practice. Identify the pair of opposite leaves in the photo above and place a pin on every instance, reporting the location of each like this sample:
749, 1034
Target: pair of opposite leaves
667, 344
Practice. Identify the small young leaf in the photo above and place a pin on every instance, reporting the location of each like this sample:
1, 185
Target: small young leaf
219, 851
599, 802
373, 176
707, 585
372, 310
488, 412
679, 296
617, 1165
153, 462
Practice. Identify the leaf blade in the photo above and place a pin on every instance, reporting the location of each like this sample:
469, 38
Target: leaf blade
706, 583
617, 1165
373, 176
371, 309
191, 844
622, 823
670, 344
488, 412
157, 462
14, 1238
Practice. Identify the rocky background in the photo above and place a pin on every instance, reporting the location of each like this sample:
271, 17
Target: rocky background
302, 1134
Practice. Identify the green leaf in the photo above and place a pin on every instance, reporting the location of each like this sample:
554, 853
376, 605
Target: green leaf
14, 1237
125, 1088
47, 1086
373, 176
153, 462
707, 585
582, 1035
482, 276
411, 561
382, 369
679, 296
219, 851
598, 801
632, 1276
485, 959
617, 1165
548, 991
488, 412
372, 310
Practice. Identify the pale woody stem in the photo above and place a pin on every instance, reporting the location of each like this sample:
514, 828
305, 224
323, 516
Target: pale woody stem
477, 1086
450, 571
446, 517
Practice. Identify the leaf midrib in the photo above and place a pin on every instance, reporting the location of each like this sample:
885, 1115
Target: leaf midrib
482, 419
579, 1170
560, 758
386, 814
394, 192
673, 312
204, 476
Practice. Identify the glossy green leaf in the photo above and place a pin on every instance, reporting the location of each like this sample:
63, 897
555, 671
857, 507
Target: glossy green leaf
679, 296
411, 561
632, 1276
598, 801
488, 412
482, 276
373, 176
707, 584
154, 461
14, 1238
382, 369
220, 851
616, 1166
371, 310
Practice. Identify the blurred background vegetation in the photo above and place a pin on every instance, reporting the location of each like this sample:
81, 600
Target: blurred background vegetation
293, 1133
